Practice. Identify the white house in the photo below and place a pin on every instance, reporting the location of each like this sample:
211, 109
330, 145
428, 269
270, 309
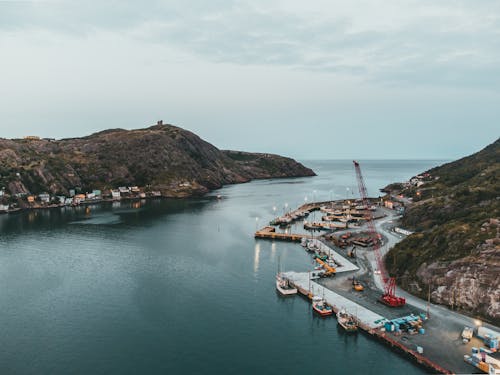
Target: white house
115, 194
44, 197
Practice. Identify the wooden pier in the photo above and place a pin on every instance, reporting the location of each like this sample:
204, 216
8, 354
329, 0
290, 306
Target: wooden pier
270, 233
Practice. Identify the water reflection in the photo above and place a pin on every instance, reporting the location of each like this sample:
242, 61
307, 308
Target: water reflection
256, 257
273, 250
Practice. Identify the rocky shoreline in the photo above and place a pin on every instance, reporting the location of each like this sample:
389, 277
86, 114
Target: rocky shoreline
163, 160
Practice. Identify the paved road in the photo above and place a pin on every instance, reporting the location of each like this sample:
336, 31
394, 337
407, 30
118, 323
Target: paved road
393, 238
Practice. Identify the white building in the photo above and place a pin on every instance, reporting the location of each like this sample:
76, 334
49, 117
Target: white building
44, 197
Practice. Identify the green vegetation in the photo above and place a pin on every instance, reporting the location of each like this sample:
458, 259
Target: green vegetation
448, 215
163, 157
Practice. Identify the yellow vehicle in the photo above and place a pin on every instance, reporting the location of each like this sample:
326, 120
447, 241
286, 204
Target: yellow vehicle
357, 286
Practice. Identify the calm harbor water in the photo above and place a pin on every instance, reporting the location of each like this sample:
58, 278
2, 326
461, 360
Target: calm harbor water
177, 287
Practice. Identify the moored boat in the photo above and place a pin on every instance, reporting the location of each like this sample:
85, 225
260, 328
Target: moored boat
347, 321
321, 307
283, 285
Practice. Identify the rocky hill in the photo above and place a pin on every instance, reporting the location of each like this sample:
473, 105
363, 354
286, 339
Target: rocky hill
456, 245
162, 157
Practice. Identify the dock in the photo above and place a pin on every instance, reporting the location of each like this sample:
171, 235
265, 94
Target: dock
344, 265
365, 316
270, 232
368, 321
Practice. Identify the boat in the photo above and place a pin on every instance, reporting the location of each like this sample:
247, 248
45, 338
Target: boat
321, 307
347, 321
283, 284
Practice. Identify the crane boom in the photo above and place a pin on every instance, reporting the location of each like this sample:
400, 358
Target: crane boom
389, 297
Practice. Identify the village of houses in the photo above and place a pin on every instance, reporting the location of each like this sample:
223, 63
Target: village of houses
45, 200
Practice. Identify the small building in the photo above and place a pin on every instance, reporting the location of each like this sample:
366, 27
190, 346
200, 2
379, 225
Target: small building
68, 201
72, 192
61, 199
31, 199
90, 196
389, 204
79, 198
97, 193
403, 231
134, 189
31, 137
44, 197
156, 193
2, 192
124, 190
4, 207
115, 194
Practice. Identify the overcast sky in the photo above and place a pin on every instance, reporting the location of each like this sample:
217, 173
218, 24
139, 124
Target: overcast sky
309, 79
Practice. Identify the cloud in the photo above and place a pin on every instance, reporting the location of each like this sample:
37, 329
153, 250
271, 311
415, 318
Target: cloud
403, 42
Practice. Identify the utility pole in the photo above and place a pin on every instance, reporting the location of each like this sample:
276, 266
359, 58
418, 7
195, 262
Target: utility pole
429, 301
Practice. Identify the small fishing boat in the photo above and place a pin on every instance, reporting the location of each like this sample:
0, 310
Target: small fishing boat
347, 321
283, 284
321, 307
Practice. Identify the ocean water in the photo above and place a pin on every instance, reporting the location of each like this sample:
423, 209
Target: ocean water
177, 286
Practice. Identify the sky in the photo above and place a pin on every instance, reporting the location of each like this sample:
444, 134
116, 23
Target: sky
316, 79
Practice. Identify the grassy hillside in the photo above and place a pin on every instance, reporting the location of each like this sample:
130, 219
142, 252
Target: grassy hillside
454, 215
162, 157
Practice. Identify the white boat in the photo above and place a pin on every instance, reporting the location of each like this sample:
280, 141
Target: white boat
283, 285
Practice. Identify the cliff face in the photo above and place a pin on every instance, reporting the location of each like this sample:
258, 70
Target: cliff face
163, 157
456, 247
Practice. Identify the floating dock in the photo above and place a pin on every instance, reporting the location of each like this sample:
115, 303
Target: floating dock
270, 232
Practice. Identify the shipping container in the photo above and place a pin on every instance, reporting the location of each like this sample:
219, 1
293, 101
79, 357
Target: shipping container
483, 331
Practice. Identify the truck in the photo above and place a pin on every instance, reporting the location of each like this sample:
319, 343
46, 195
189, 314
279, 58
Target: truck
467, 333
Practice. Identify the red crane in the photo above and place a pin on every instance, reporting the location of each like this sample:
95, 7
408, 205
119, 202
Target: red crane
389, 297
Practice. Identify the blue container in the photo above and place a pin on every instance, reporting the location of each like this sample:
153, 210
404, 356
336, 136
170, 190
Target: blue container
493, 344
421, 331
475, 350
